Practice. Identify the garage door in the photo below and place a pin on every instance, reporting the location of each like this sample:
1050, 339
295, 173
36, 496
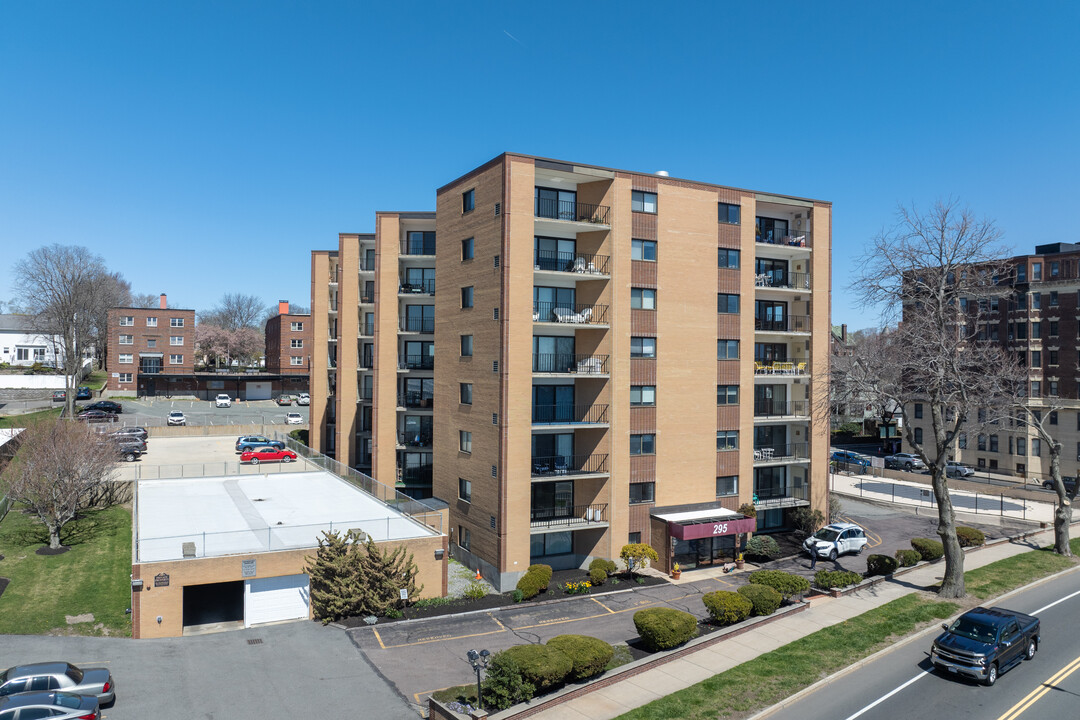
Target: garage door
257, 391
275, 599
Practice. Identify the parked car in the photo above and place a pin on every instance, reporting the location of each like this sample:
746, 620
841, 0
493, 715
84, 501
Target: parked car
130, 447
267, 454
95, 682
851, 458
303, 399
1068, 482
904, 461
176, 418
284, 400
96, 416
51, 705
83, 393
223, 400
836, 539
107, 406
955, 469
250, 442
59, 395
294, 419
132, 431
984, 642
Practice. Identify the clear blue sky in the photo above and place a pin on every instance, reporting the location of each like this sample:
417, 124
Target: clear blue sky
203, 147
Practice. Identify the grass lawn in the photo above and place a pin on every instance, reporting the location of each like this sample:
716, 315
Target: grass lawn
92, 577
15, 421
1004, 575
95, 380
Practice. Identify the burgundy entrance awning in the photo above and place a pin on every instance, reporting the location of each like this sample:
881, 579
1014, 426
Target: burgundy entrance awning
715, 527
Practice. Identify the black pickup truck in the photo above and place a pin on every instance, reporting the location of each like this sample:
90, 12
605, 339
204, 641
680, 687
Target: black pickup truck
985, 642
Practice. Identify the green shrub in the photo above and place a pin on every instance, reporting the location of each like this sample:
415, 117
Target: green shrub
518, 595
638, 555
762, 546
589, 655
608, 566
475, 590
543, 666
597, 576
504, 684
832, 579
787, 584
534, 581
726, 607
662, 628
542, 570
969, 536
928, 549
881, 565
764, 598
806, 520
748, 510
908, 558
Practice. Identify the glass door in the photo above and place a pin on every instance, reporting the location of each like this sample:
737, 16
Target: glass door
555, 253
553, 354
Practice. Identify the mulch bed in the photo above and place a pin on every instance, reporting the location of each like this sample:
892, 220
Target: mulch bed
3, 585
52, 551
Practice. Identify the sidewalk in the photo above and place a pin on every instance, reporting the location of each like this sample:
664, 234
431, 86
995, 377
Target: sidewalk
620, 697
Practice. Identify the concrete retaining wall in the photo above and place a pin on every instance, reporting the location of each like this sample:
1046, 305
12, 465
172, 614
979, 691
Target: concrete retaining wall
32, 382
223, 430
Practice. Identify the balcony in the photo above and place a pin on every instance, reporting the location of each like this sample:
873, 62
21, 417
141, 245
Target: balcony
366, 267
419, 475
563, 466
781, 408
427, 287
367, 362
571, 211
416, 362
415, 400
781, 368
789, 324
569, 364
367, 329
569, 517
775, 454
770, 497
569, 415
414, 440
578, 263
365, 394
415, 247
788, 238
783, 281
424, 326
566, 314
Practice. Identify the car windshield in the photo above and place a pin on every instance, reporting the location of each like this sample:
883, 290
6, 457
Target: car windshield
74, 673
827, 535
973, 630
67, 700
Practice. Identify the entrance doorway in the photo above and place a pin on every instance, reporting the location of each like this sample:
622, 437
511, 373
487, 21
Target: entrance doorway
705, 552
214, 604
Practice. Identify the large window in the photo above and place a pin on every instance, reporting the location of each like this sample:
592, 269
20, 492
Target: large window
420, 318
464, 491
771, 230
643, 444
644, 492
554, 253
555, 354
727, 439
641, 201
466, 346
642, 395
465, 393
643, 347
559, 543
727, 349
728, 213
643, 250
727, 485
727, 394
727, 303
642, 299
546, 300
555, 204
727, 258
468, 201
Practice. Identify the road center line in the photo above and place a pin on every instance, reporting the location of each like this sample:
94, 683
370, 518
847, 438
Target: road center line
888, 695
1018, 709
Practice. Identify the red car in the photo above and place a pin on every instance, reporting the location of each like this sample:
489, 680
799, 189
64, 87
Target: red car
265, 454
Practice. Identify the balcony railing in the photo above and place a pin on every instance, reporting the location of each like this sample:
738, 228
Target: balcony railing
411, 440
570, 363
582, 263
417, 325
793, 238
558, 465
418, 247
569, 414
774, 496
781, 408
571, 314
368, 362
571, 210
780, 367
365, 394
367, 266
415, 399
791, 323
568, 515
367, 329
419, 475
416, 362
783, 280
427, 287
772, 453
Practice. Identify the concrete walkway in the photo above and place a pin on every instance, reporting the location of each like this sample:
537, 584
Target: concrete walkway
623, 696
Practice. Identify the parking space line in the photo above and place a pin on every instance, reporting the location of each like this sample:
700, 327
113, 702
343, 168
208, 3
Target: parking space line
602, 605
379, 638
874, 538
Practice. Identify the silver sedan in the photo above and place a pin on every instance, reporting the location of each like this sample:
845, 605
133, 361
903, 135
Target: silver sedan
64, 676
52, 705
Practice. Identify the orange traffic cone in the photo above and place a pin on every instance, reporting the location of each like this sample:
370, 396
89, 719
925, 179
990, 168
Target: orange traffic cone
478, 575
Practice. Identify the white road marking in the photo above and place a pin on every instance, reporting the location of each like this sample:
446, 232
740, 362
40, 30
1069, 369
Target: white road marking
1056, 602
883, 698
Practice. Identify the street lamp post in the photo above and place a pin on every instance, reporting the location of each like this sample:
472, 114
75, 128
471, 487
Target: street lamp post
479, 661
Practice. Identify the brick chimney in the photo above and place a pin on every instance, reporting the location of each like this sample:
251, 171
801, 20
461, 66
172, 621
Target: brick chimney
164, 305
283, 307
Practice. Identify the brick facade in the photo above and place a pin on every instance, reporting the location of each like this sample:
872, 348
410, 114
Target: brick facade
150, 351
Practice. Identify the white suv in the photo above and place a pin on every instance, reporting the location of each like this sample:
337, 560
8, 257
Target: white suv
303, 399
223, 401
836, 539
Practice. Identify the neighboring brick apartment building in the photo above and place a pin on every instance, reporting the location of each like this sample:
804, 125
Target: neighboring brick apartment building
1037, 318
151, 351
575, 312
288, 348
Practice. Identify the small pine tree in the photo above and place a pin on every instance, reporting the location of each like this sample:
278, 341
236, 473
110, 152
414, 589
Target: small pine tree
383, 575
335, 590
638, 555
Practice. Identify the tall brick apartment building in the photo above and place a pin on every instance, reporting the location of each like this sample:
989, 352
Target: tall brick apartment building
575, 310
151, 351
289, 348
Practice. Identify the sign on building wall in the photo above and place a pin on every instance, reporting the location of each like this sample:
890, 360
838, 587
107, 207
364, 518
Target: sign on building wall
247, 568
161, 580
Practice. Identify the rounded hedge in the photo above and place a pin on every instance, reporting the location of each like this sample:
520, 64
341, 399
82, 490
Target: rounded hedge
970, 537
787, 584
726, 607
608, 566
908, 558
881, 565
534, 581
589, 655
663, 628
928, 549
833, 579
543, 666
764, 599
597, 576
762, 546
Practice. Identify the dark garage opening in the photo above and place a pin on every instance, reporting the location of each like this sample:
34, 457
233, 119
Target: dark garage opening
214, 603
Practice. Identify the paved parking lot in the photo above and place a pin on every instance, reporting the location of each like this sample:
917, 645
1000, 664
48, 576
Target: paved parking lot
189, 457
153, 411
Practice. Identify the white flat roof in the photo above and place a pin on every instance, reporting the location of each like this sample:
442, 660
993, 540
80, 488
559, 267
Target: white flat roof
698, 515
7, 434
241, 514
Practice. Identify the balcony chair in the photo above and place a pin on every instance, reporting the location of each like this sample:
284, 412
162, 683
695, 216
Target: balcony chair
579, 265
583, 317
563, 315
800, 369
562, 466
760, 368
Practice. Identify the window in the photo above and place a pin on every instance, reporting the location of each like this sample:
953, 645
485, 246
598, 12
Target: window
643, 347
468, 201
981, 443
151, 322
727, 439
176, 359
642, 299
1053, 298
176, 322
643, 250
727, 349
179, 340
727, 258
1036, 271
918, 435
1053, 417
294, 343
560, 543
296, 326
727, 485
642, 395
124, 377
961, 441
296, 360
466, 346
127, 339
467, 249
918, 410
993, 443
633, 538
1021, 446
643, 444
1036, 447
727, 394
1021, 273
127, 321
464, 441
726, 303
1036, 329
644, 492
463, 537
1036, 301
1036, 359
1052, 390
467, 297
1036, 388
465, 393
1053, 328
641, 201
728, 213
126, 358
464, 490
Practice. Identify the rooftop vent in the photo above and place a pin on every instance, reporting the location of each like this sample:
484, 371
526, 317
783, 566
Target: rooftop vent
662, 173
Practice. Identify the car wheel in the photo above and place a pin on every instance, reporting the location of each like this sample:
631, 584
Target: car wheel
991, 675
129, 457
832, 555
254, 461
1030, 654
286, 459
908, 467
859, 551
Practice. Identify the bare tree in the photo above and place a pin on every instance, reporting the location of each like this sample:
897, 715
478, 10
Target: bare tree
111, 290
236, 310
1036, 419
937, 271
144, 300
58, 470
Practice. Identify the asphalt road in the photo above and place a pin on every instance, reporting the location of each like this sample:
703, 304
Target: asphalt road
900, 684
153, 411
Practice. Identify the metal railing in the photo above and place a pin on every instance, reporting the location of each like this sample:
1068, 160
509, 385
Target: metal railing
427, 287
418, 475
773, 453
793, 238
365, 393
781, 408
571, 210
569, 414
570, 363
144, 470
421, 440
415, 399
558, 465
780, 495
417, 246
783, 280
582, 263
781, 367
568, 516
416, 362
367, 329
417, 325
566, 313
791, 323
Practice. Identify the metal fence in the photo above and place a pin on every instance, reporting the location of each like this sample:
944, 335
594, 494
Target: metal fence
190, 471
200, 419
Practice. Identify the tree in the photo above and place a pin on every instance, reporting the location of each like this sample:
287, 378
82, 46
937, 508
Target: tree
1035, 418
220, 343
335, 586
235, 310
111, 290
638, 555
144, 300
937, 272
58, 470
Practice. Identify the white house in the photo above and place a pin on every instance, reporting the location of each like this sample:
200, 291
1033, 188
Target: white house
19, 345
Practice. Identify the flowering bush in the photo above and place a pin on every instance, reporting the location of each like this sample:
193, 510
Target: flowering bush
577, 588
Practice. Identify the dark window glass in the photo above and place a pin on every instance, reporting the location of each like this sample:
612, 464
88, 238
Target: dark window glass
642, 493
727, 394
728, 258
467, 297
643, 250
468, 201
727, 485
643, 347
643, 201
643, 444
727, 303
466, 393
466, 346
728, 213
467, 249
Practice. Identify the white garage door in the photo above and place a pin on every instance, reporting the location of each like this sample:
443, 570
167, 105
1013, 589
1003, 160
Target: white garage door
257, 390
275, 599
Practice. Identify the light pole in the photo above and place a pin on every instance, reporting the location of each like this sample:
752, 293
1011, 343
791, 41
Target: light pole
479, 661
